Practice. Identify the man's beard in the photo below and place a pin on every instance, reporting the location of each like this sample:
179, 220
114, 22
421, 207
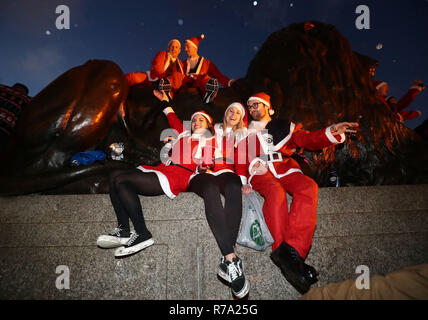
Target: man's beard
256, 116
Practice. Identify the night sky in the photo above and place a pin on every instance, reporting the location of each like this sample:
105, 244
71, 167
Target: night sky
131, 32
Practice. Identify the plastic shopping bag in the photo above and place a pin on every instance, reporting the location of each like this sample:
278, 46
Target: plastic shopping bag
254, 232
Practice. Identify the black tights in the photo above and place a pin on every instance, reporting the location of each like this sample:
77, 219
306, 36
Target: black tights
224, 222
125, 186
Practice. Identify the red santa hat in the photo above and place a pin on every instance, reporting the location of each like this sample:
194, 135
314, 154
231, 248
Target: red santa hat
204, 114
194, 41
241, 108
378, 84
263, 98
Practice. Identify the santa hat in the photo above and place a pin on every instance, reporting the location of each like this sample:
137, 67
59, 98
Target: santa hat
194, 41
378, 84
388, 98
169, 43
242, 109
263, 98
204, 114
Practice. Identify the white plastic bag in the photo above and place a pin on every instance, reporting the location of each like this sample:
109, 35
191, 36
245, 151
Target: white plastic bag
254, 232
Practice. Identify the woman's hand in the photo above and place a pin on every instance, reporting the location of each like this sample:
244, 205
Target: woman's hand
343, 127
161, 95
246, 189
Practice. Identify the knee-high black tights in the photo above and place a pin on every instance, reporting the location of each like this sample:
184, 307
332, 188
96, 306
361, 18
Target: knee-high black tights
125, 186
223, 221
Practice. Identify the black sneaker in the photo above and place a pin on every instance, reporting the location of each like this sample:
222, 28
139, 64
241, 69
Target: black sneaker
222, 270
135, 244
114, 239
164, 85
238, 282
211, 89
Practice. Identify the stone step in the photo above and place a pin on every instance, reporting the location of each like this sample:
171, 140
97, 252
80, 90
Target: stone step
384, 228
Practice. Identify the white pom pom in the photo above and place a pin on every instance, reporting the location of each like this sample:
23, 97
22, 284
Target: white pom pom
202, 36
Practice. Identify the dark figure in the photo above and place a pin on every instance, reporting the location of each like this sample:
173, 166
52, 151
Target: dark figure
12, 101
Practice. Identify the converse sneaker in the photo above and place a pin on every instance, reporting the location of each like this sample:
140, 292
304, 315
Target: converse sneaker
238, 282
116, 238
222, 270
211, 89
135, 244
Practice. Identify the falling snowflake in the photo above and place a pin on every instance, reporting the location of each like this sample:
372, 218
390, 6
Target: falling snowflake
180, 22
291, 4
48, 32
379, 46
254, 3
255, 48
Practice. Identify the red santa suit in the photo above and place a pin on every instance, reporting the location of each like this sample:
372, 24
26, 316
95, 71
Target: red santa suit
202, 71
217, 150
402, 104
405, 102
277, 174
163, 65
186, 155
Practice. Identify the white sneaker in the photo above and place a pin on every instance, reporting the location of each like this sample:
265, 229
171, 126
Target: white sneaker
134, 245
114, 239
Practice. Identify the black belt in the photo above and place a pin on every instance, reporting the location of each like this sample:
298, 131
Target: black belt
179, 165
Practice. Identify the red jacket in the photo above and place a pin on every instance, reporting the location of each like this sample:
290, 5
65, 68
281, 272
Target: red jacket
202, 148
161, 67
273, 147
206, 67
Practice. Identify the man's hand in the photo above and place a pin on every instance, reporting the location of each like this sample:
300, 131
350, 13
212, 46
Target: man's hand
161, 95
246, 189
343, 127
419, 83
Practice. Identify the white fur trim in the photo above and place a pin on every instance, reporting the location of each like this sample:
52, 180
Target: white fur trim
205, 115
162, 180
150, 78
253, 162
243, 180
290, 171
200, 65
332, 138
239, 106
217, 173
259, 99
192, 43
257, 125
416, 87
168, 110
380, 85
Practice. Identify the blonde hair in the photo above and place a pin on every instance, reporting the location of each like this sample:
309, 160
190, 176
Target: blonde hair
238, 126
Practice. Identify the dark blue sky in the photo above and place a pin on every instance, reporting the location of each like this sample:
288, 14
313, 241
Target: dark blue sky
131, 32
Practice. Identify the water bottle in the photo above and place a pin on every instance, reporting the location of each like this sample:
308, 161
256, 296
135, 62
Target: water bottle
334, 179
